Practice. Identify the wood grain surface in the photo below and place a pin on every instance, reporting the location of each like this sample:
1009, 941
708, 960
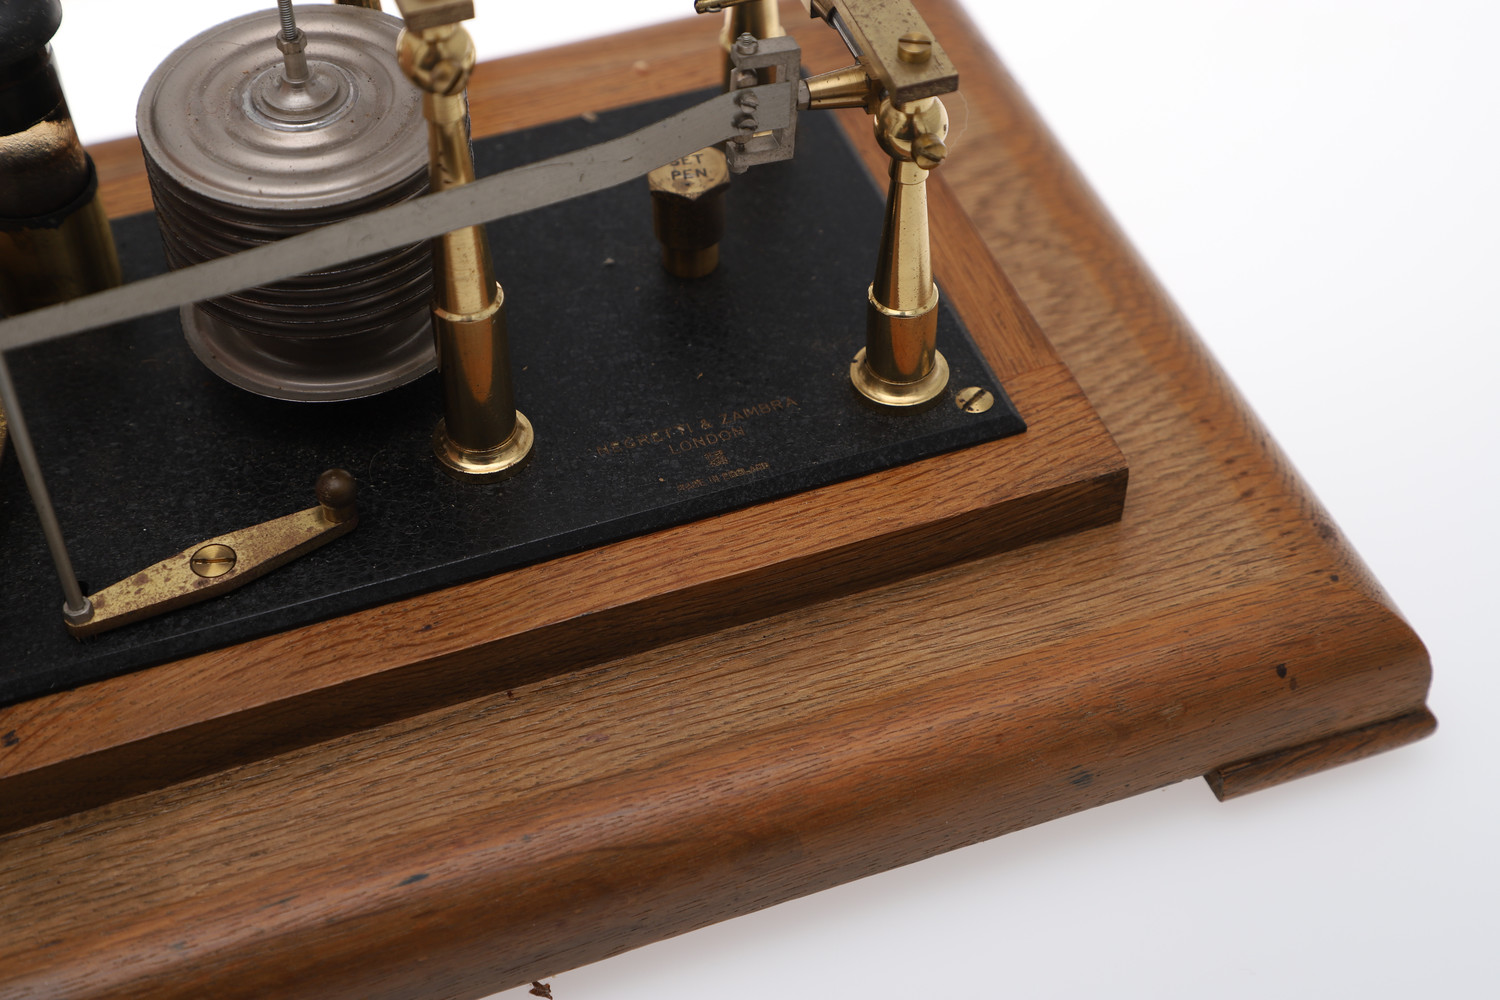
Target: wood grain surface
488, 841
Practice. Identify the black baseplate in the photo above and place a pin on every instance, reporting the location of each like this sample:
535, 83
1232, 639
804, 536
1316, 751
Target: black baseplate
655, 400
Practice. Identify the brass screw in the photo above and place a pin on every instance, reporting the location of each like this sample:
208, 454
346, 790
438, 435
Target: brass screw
914, 47
974, 399
213, 560
928, 151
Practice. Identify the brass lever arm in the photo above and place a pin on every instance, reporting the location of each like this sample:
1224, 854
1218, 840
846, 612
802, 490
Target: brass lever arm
894, 45
221, 564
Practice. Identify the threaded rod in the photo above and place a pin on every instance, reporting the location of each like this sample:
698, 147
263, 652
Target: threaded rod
288, 20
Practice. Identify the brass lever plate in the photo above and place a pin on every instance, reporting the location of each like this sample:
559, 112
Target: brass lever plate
875, 31
210, 568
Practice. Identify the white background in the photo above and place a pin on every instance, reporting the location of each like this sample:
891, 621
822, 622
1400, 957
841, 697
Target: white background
1315, 183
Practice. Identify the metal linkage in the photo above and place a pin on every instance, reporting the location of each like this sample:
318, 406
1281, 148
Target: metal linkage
759, 141
292, 43
537, 185
76, 608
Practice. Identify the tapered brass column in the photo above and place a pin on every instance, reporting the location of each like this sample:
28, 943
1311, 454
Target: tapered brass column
481, 433
900, 364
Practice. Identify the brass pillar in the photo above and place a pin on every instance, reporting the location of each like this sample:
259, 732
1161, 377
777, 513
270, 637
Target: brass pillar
481, 434
900, 364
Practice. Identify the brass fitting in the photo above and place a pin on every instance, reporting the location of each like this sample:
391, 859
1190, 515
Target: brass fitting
55, 240
482, 434
900, 364
850, 87
687, 211
899, 73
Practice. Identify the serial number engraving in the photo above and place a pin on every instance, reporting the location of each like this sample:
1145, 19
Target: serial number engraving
718, 478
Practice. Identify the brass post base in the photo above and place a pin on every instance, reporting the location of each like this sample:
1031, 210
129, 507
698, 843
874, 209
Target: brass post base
887, 393
490, 465
690, 263
41, 266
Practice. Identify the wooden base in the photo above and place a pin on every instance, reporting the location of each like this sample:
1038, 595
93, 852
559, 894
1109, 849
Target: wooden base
626, 788
82, 748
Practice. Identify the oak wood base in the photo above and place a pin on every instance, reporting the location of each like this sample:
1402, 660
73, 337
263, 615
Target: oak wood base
519, 831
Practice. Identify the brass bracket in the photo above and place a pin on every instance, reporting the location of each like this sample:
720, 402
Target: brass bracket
420, 15
221, 564
892, 41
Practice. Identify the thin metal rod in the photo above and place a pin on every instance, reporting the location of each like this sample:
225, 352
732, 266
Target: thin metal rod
498, 196
288, 20
293, 45
76, 605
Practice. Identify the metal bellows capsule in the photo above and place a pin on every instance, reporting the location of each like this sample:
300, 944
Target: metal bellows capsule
240, 152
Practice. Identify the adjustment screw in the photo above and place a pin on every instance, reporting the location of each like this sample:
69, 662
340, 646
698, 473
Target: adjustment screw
213, 560
928, 151
914, 47
974, 399
746, 45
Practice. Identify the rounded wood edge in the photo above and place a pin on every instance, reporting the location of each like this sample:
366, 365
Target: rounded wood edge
515, 876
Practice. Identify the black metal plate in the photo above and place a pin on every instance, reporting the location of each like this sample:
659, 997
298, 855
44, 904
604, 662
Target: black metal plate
655, 401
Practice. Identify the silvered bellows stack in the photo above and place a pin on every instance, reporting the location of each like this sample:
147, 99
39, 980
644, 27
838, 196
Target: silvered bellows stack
262, 128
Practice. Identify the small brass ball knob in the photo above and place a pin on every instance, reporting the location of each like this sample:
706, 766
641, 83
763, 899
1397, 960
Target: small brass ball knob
336, 490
